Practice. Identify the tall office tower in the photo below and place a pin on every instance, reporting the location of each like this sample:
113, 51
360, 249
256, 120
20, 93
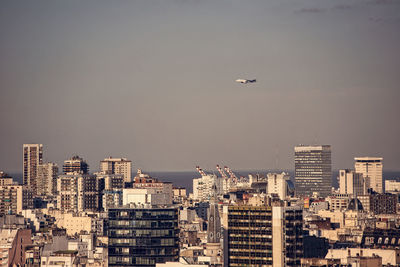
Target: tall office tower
313, 170
265, 235
214, 233
351, 183
277, 184
33, 156
139, 236
117, 166
371, 168
77, 192
75, 165
47, 179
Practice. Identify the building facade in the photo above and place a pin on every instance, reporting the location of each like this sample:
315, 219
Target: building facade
265, 235
121, 166
142, 236
277, 184
11, 197
75, 165
32, 158
47, 179
371, 169
313, 170
351, 183
77, 192
203, 187
392, 186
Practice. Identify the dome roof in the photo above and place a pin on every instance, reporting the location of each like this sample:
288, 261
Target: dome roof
352, 205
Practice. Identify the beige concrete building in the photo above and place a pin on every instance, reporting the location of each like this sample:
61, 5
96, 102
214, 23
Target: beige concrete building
13, 243
388, 256
277, 184
121, 166
32, 158
202, 187
74, 224
351, 183
145, 196
77, 192
371, 169
392, 186
11, 196
47, 179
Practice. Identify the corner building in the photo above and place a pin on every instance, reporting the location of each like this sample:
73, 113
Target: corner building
142, 236
265, 236
313, 170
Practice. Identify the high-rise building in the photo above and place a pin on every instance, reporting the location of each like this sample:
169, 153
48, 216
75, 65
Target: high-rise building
351, 183
140, 236
313, 170
75, 165
371, 169
117, 166
32, 158
47, 179
265, 235
77, 192
277, 184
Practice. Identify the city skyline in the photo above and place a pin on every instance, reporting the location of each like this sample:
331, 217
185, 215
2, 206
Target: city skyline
155, 81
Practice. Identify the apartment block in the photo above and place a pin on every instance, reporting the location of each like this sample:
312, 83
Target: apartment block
77, 192
120, 166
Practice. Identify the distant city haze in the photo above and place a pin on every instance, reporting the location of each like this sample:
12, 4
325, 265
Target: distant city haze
154, 81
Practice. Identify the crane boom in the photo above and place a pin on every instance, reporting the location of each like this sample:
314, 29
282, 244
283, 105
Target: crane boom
223, 174
232, 175
202, 173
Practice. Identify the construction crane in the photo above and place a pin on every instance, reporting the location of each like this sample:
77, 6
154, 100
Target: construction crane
223, 174
228, 170
202, 173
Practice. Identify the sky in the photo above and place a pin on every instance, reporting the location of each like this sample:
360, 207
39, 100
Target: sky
154, 81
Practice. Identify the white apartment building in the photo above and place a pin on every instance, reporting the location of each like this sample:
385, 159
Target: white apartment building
351, 183
277, 184
121, 166
145, 196
392, 186
202, 187
371, 169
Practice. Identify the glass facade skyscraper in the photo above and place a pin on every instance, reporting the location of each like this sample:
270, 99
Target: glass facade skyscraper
313, 170
142, 236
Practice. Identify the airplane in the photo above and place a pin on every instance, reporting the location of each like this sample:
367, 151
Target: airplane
245, 81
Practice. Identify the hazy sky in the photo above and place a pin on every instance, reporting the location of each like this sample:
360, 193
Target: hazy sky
154, 81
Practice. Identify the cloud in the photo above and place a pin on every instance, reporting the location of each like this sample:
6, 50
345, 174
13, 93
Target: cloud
384, 2
342, 7
310, 10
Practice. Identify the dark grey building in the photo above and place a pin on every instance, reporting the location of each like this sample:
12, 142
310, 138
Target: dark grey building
313, 170
142, 236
